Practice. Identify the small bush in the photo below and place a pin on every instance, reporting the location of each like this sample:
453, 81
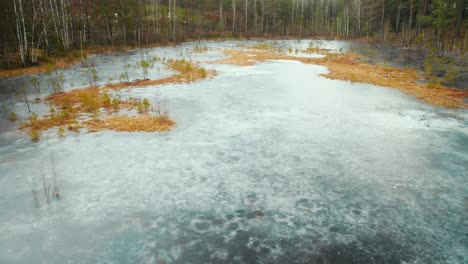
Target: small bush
140, 108
57, 81
203, 73
122, 77
106, 100
115, 103
34, 135
144, 65
13, 117
33, 117
36, 84
61, 132
89, 102
146, 104
72, 127
93, 76
451, 74
263, 46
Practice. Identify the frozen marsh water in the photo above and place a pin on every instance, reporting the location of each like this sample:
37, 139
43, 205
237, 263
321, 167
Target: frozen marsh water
267, 164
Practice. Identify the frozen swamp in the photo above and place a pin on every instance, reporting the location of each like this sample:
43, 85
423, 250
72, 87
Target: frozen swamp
269, 163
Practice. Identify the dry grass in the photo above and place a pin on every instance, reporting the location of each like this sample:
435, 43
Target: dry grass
47, 122
80, 100
57, 63
82, 109
188, 71
262, 46
72, 59
139, 83
74, 109
144, 123
350, 67
251, 57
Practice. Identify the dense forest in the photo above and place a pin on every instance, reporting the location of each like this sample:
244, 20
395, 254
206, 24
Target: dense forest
32, 29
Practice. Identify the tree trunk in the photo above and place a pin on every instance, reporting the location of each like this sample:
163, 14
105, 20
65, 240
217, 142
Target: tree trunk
174, 21
255, 17
21, 31
246, 16
397, 27
221, 16
233, 16
460, 9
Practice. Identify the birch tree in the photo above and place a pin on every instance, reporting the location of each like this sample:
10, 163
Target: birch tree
21, 31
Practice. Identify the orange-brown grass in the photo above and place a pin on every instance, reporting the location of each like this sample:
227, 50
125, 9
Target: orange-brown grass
73, 109
188, 71
144, 123
350, 67
49, 121
139, 83
75, 106
88, 100
57, 63
67, 107
251, 57
262, 46
65, 62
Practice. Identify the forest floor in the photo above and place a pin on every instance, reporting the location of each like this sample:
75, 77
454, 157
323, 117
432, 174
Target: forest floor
65, 61
41, 67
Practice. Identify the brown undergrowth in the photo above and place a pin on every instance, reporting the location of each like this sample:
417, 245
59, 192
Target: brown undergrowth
95, 109
187, 71
73, 57
144, 123
44, 67
350, 67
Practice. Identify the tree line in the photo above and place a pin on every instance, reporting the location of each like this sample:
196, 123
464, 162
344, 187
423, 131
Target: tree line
35, 28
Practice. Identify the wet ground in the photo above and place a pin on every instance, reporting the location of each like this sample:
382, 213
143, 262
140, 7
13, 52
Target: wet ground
267, 164
419, 59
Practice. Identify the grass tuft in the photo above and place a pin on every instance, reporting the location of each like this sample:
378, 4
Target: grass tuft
189, 71
34, 135
144, 123
13, 117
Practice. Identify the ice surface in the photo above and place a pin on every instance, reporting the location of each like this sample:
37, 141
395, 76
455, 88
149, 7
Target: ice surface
267, 164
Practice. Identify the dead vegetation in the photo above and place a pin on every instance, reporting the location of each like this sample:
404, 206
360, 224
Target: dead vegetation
249, 57
144, 123
43, 67
46, 63
350, 67
187, 71
92, 108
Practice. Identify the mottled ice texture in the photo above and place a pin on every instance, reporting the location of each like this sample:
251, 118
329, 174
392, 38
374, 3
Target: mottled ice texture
267, 164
